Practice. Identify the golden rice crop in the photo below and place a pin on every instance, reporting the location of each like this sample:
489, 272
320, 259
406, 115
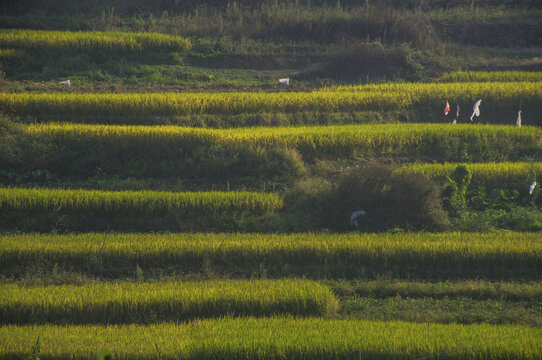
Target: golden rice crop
380, 97
442, 255
276, 338
91, 41
126, 302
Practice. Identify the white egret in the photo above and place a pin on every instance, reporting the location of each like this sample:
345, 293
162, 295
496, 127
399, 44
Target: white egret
531, 189
66, 82
355, 217
518, 120
476, 109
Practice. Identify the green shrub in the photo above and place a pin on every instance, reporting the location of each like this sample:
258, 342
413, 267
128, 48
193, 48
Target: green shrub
390, 199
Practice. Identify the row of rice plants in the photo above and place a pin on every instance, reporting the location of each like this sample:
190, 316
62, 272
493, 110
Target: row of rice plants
91, 210
133, 202
415, 255
492, 76
382, 97
501, 174
127, 302
441, 142
91, 41
276, 338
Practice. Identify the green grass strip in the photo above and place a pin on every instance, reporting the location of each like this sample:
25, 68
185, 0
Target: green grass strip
91, 41
127, 302
278, 338
416, 255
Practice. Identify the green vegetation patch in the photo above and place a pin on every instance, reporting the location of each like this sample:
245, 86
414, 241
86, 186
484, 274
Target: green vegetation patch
278, 338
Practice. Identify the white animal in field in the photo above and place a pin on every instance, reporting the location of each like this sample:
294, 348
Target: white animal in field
518, 120
65, 82
285, 81
476, 109
531, 189
355, 217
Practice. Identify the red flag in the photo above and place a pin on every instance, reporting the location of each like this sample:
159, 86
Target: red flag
447, 108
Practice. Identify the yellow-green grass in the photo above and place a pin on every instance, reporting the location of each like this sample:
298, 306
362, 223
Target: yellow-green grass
440, 141
383, 97
91, 41
418, 255
491, 76
89, 210
503, 174
133, 202
276, 338
126, 302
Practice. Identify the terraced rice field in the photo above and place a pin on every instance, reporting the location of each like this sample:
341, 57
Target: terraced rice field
209, 274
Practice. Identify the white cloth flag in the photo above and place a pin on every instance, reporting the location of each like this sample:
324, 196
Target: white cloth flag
518, 121
476, 109
531, 189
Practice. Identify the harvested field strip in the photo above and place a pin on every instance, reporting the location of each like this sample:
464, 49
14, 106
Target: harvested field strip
278, 338
501, 256
127, 302
91, 41
440, 141
383, 97
475, 289
445, 311
501, 174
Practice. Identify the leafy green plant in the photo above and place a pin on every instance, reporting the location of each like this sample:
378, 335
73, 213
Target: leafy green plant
35, 351
454, 193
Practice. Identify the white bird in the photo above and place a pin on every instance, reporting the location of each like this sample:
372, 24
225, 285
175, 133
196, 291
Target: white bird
66, 82
531, 189
355, 216
285, 81
518, 120
476, 109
